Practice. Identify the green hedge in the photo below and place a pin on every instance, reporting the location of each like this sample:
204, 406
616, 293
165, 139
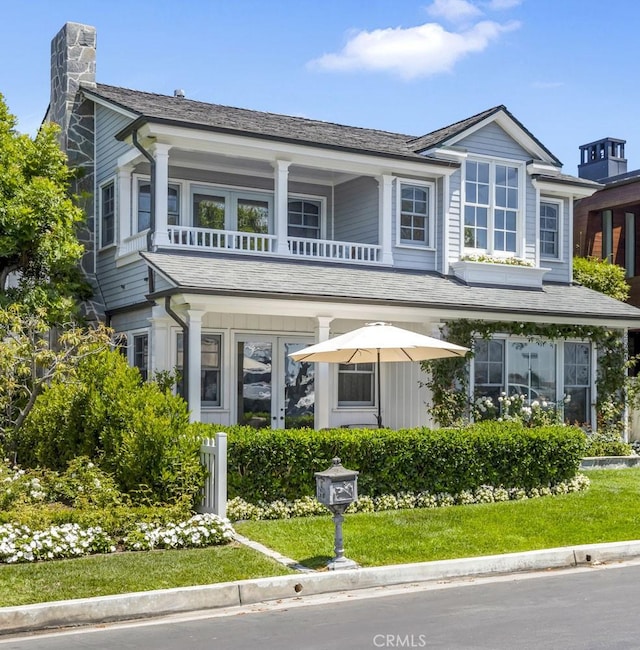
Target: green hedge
268, 465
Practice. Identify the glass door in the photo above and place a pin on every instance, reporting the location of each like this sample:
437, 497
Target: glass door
273, 390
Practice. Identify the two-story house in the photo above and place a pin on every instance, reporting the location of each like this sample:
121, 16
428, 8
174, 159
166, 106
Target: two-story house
222, 239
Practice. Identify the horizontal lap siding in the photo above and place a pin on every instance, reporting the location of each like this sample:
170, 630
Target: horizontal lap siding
356, 211
108, 149
491, 140
134, 320
561, 269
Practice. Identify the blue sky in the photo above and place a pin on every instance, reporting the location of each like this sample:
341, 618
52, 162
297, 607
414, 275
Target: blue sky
566, 69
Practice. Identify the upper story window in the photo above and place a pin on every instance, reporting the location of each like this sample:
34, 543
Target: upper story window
550, 212
107, 213
303, 218
144, 205
231, 210
415, 214
492, 205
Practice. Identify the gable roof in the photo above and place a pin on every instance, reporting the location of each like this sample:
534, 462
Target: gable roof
240, 275
443, 136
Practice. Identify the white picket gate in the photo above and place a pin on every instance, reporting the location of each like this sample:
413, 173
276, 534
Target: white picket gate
213, 454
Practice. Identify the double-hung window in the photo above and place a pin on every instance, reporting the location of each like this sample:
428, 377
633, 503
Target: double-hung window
141, 354
492, 206
144, 205
415, 214
356, 384
107, 213
550, 213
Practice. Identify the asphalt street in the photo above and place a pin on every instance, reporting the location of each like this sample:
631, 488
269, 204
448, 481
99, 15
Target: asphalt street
579, 609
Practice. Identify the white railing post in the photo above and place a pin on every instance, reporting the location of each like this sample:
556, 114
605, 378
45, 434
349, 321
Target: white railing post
220, 476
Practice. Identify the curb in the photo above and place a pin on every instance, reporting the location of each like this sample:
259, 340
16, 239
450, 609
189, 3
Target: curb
90, 611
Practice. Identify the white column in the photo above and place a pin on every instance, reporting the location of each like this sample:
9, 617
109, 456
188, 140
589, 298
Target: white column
281, 192
195, 344
322, 387
161, 156
124, 200
385, 220
159, 343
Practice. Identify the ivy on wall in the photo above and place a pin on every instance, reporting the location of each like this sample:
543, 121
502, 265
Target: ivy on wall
448, 379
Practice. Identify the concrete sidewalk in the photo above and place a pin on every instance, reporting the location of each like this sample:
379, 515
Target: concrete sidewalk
87, 611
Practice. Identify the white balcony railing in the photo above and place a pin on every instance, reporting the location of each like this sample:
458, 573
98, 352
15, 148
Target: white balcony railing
334, 250
242, 242
209, 239
132, 244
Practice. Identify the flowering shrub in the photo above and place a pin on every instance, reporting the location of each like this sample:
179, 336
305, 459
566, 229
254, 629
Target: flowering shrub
19, 487
238, 509
83, 484
199, 531
21, 544
514, 407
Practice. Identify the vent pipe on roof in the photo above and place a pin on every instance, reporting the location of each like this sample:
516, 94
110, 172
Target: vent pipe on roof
179, 93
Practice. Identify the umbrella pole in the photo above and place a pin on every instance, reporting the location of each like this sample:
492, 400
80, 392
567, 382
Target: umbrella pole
379, 416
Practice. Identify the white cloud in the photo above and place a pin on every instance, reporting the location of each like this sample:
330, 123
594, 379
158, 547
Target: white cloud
493, 5
453, 10
412, 52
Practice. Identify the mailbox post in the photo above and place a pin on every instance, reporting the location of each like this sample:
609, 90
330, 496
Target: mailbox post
337, 488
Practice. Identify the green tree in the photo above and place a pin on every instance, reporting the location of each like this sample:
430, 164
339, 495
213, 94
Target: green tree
39, 249
601, 276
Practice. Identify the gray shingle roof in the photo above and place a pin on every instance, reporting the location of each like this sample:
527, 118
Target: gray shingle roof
235, 274
162, 108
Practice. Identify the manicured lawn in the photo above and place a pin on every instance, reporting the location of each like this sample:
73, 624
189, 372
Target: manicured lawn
608, 511
101, 575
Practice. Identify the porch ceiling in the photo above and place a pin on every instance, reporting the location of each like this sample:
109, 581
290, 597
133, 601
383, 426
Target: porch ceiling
236, 275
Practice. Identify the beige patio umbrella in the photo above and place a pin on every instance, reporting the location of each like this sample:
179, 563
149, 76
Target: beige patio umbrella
378, 343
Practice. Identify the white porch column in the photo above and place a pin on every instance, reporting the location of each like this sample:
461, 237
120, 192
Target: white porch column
385, 221
161, 156
159, 348
281, 194
124, 200
195, 364
322, 387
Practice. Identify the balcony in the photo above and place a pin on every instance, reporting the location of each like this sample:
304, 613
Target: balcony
206, 239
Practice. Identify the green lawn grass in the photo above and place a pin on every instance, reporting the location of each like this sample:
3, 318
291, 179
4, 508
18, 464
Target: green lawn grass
101, 575
608, 511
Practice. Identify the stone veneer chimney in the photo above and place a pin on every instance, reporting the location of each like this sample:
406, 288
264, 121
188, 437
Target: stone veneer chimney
73, 62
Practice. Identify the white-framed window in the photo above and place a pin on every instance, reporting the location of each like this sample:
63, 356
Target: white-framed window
227, 209
543, 371
210, 367
143, 218
140, 354
492, 206
304, 217
356, 384
107, 213
550, 222
415, 213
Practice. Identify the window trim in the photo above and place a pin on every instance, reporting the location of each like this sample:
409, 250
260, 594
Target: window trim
560, 205
207, 405
102, 187
132, 335
344, 405
493, 161
430, 230
137, 180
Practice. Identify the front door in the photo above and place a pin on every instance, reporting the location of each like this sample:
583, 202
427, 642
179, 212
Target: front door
273, 390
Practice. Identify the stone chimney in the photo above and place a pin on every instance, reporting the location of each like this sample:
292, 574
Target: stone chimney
73, 62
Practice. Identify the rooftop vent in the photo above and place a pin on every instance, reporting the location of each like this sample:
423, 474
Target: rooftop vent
179, 93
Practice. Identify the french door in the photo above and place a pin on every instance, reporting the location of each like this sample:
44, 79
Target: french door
273, 390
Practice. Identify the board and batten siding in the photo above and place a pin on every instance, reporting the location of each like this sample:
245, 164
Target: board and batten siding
356, 211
